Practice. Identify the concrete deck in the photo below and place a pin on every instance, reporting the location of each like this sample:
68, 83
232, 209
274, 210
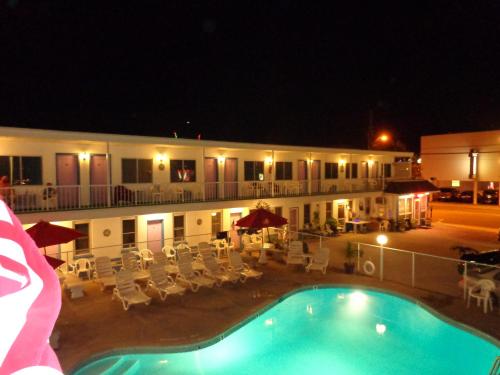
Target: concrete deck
95, 324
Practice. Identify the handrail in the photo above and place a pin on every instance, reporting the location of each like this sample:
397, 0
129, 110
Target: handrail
495, 369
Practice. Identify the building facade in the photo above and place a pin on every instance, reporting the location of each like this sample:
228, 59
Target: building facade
466, 161
149, 191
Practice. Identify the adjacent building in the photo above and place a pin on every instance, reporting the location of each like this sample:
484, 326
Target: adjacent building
467, 161
139, 191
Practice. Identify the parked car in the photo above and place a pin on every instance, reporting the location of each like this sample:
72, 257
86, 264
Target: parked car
483, 259
466, 196
447, 194
490, 196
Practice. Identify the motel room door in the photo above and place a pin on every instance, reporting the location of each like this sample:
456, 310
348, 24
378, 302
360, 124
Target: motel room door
316, 176
155, 235
302, 176
68, 180
211, 178
98, 180
231, 178
293, 224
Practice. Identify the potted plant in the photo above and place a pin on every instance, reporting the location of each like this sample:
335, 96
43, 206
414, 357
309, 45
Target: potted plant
350, 257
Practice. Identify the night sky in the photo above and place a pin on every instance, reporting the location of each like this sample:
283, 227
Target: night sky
302, 73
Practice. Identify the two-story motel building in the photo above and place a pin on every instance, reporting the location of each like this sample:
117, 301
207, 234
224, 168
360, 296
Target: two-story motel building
145, 191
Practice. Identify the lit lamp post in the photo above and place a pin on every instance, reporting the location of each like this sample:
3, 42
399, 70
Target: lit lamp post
382, 240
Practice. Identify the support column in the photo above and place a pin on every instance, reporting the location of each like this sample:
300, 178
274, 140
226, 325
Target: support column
475, 192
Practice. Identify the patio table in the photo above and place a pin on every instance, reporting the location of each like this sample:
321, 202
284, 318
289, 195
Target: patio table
356, 224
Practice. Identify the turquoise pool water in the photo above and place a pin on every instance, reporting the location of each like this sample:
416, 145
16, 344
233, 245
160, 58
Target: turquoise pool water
326, 331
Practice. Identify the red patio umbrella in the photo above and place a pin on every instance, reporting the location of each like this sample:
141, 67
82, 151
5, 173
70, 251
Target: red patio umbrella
46, 234
261, 218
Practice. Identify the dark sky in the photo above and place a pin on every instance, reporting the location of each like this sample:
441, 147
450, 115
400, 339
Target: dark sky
285, 72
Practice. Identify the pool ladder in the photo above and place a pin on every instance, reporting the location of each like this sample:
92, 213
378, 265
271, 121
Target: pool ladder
495, 370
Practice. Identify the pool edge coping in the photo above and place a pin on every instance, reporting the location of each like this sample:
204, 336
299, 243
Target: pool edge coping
219, 337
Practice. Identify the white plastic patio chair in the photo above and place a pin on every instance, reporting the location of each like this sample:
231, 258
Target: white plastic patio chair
128, 291
216, 271
157, 193
169, 252
146, 256
104, 272
296, 253
187, 276
319, 260
162, 283
82, 266
481, 291
237, 265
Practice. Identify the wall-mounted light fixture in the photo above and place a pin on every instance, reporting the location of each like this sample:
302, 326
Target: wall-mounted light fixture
370, 162
84, 156
221, 159
161, 158
268, 160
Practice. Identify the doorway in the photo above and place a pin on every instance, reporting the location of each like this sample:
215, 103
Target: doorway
302, 176
98, 180
316, 176
155, 235
293, 223
231, 178
67, 180
211, 178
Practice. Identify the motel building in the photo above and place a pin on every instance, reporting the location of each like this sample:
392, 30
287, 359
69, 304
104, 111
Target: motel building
465, 161
147, 192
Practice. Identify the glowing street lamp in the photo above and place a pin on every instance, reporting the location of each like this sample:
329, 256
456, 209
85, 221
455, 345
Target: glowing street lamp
382, 240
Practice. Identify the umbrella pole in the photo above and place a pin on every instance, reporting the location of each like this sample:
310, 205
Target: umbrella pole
263, 255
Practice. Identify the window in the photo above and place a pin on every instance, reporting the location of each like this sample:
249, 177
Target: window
22, 170
82, 244
387, 170
331, 170
254, 170
351, 170
137, 171
182, 170
216, 223
307, 214
178, 227
278, 211
128, 233
329, 210
365, 172
283, 170
404, 208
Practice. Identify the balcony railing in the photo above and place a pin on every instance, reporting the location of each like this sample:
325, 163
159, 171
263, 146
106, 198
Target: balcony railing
27, 198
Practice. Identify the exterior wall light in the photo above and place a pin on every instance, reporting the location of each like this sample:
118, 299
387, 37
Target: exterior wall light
473, 155
221, 159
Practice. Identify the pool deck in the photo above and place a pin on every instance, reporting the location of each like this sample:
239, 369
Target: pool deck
95, 324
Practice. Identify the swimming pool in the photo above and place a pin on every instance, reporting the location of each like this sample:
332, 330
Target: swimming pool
325, 331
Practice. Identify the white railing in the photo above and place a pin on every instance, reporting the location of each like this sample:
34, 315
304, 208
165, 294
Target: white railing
31, 198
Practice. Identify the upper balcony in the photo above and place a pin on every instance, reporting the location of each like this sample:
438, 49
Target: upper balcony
31, 199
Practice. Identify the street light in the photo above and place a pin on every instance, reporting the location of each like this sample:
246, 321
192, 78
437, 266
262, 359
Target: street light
382, 240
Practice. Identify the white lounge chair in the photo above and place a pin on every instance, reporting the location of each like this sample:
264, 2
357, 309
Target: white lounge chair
296, 253
237, 265
104, 272
216, 271
169, 265
128, 291
130, 263
319, 260
481, 291
187, 276
162, 283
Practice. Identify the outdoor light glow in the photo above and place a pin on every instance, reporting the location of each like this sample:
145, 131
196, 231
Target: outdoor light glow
382, 239
221, 159
309, 309
380, 328
370, 162
419, 160
163, 361
384, 137
268, 160
342, 162
214, 213
84, 156
357, 301
269, 322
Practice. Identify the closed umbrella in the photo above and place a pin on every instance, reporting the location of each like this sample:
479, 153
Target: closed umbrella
259, 219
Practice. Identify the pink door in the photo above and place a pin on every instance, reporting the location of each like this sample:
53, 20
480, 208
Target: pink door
98, 180
231, 178
316, 176
302, 175
155, 235
211, 178
68, 180
293, 223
